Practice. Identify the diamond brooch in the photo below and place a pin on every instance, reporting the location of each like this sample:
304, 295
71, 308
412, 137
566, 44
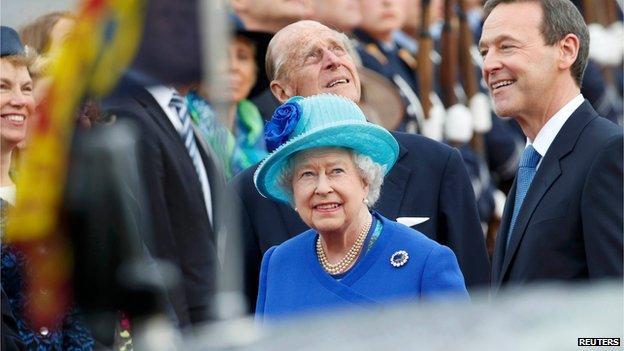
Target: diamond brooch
399, 258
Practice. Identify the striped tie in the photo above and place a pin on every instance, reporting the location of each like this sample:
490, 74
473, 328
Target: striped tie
178, 103
526, 171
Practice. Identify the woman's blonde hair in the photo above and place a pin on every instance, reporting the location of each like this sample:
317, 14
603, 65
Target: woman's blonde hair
27, 58
36, 34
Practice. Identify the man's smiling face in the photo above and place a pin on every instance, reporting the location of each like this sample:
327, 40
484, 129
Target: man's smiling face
518, 66
317, 61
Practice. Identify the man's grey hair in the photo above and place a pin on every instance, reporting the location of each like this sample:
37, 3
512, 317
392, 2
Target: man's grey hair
275, 59
371, 172
560, 18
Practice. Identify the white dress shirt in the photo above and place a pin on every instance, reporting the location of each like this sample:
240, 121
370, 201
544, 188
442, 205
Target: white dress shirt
163, 95
549, 131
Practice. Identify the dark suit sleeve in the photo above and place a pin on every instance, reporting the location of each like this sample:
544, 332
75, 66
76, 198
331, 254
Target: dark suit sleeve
162, 245
459, 223
601, 212
165, 243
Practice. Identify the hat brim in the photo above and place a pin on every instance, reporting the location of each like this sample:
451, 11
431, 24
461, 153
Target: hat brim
366, 139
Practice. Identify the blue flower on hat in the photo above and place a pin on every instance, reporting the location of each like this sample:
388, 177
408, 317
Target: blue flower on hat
282, 124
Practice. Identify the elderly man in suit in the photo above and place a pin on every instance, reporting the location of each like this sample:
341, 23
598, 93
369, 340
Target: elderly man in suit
428, 180
563, 217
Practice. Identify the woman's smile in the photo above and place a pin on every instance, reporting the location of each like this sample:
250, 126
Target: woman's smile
328, 207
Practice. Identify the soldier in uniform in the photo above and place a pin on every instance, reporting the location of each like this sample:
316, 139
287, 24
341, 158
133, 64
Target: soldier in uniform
380, 52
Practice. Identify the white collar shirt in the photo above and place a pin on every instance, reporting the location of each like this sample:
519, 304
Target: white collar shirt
549, 131
163, 95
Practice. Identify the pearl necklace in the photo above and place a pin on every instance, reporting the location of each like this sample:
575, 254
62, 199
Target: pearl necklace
346, 262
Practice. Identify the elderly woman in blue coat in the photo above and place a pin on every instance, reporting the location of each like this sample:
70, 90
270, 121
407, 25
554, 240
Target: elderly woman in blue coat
328, 162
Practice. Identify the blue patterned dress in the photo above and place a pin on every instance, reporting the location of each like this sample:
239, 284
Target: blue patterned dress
68, 333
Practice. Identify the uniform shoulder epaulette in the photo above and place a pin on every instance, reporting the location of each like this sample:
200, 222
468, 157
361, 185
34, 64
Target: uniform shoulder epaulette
408, 58
374, 51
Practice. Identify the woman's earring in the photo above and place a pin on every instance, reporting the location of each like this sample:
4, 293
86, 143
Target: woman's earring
296, 210
365, 201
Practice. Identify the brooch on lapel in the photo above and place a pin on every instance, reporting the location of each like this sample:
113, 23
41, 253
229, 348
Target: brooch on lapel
399, 258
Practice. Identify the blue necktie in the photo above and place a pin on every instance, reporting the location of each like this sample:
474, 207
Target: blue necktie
526, 172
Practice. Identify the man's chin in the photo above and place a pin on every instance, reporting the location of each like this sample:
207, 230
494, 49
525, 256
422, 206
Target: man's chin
346, 92
503, 109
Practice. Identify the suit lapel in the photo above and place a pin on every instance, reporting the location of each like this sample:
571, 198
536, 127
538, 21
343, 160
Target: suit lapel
159, 116
548, 172
393, 188
215, 176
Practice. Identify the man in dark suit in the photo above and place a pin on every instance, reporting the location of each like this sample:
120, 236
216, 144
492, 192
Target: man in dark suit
428, 180
563, 217
183, 192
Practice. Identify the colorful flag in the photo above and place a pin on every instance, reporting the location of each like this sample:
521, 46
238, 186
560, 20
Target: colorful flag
101, 45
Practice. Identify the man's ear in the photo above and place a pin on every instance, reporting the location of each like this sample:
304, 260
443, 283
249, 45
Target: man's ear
280, 91
568, 51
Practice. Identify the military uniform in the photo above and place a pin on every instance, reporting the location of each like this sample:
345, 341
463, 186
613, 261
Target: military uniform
397, 64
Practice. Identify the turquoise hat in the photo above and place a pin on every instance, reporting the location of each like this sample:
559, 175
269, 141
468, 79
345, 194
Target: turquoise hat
324, 120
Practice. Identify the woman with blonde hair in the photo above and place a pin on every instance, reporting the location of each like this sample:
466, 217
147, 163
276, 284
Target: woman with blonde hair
48, 31
17, 105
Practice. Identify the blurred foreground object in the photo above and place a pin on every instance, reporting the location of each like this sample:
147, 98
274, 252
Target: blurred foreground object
103, 214
90, 61
540, 318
